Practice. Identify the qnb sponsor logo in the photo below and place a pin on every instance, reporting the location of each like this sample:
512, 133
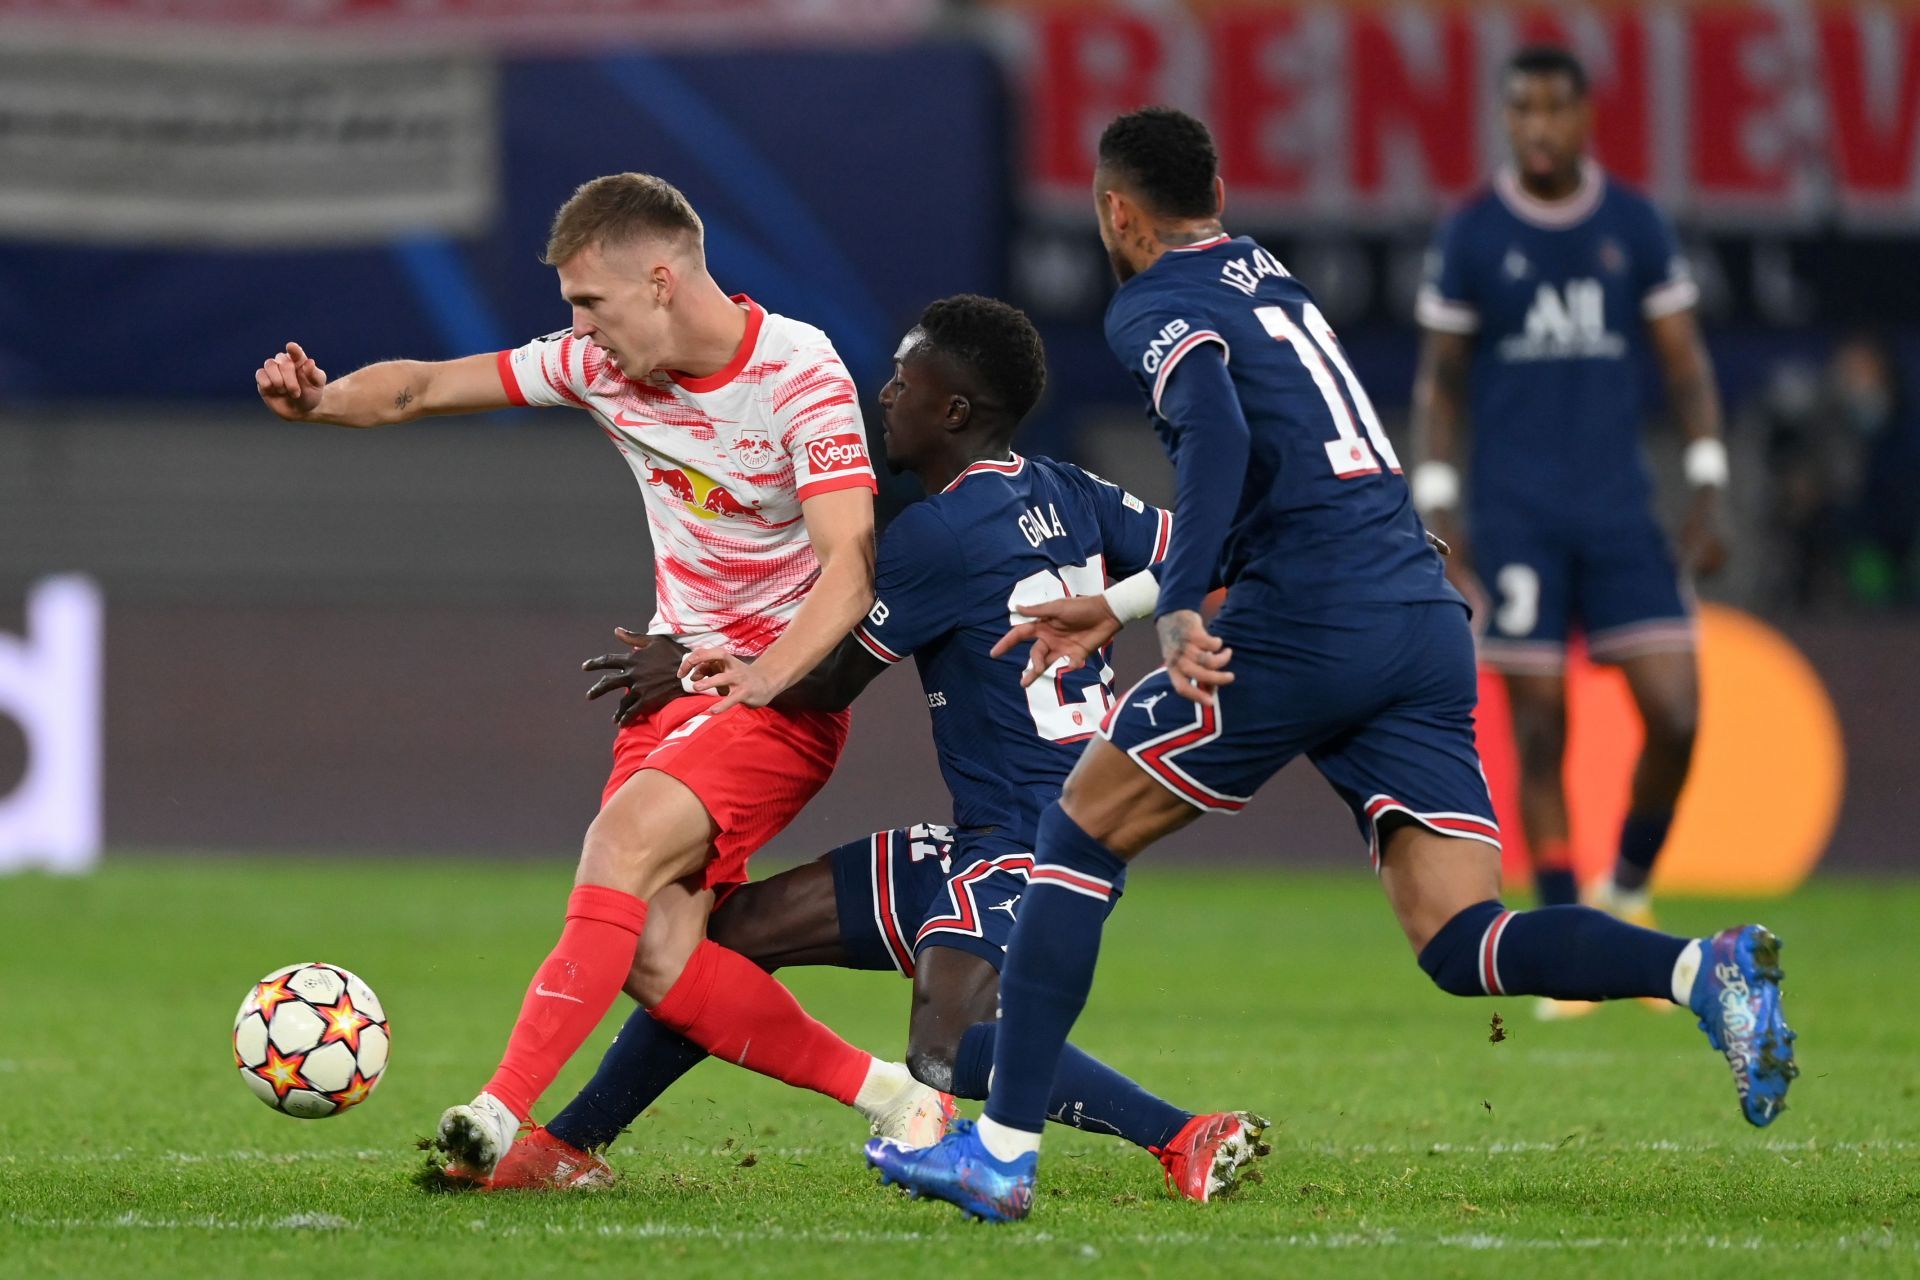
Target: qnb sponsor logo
845, 452
1568, 323
1157, 349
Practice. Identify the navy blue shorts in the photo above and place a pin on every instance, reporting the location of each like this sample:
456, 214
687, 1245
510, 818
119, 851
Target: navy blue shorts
898, 891
1379, 697
1620, 586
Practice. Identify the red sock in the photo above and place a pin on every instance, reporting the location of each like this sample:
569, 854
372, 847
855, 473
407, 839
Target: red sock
735, 1010
570, 992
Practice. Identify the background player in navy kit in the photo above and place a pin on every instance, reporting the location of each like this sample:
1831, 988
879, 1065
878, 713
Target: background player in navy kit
1340, 639
1547, 289
997, 532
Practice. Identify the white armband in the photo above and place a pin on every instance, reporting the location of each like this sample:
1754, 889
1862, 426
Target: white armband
1436, 487
1132, 599
1706, 464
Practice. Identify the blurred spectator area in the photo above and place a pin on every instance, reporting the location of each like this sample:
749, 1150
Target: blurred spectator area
184, 187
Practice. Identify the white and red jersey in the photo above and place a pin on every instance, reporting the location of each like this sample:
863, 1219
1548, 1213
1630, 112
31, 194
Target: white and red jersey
724, 462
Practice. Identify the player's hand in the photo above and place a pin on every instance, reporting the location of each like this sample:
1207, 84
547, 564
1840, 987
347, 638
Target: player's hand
649, 671
1074, 629
1196, 661
291, 383
737, 681
1703, 537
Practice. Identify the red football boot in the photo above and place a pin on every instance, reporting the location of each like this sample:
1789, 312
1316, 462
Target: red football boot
538, 1161
1206, 1156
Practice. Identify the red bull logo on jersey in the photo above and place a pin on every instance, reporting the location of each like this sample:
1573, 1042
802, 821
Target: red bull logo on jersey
674, 480
704, 496
719, 502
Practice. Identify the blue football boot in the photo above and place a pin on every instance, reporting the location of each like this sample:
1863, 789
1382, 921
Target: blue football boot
1737, 996
960, 1170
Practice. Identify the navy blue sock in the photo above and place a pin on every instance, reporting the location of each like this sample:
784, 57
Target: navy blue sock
1569, 953
1555, 886
1091, 1096
641, 1064
1088, 1094
973, 1060
1641, 837
1049, 968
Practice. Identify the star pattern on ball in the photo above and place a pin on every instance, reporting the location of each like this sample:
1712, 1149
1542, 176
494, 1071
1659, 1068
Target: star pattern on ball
271, 995
282, 1073
356, 1091
344, 1022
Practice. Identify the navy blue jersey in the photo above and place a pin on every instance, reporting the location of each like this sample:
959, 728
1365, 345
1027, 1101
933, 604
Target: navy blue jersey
1558, 296
952, 573
1323, 516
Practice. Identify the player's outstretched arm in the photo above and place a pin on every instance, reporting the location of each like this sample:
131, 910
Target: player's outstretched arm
1695, 401
296, 388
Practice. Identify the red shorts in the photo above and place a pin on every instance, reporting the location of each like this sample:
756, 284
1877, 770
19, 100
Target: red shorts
753, 768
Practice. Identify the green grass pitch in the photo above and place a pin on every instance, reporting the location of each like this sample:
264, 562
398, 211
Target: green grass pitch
1405, 1143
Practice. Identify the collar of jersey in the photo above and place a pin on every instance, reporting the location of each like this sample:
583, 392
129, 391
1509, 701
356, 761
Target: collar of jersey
1011, 467
1554, 215
756, 314
1212, 242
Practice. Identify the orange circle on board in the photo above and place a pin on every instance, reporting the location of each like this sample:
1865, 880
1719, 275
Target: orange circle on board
1768, 769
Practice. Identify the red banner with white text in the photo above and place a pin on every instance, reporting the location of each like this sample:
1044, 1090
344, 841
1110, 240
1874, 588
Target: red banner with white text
1735, 114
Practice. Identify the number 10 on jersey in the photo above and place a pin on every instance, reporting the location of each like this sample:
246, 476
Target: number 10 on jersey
1348, 453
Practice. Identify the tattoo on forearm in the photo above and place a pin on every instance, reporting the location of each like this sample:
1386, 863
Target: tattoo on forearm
404, 399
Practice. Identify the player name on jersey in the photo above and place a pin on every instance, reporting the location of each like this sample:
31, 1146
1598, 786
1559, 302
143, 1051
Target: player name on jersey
1038, 525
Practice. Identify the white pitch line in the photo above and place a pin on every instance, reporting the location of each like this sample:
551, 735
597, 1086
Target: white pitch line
202, 1157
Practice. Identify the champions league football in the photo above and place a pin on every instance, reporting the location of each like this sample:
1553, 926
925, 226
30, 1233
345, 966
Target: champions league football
311, 1040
